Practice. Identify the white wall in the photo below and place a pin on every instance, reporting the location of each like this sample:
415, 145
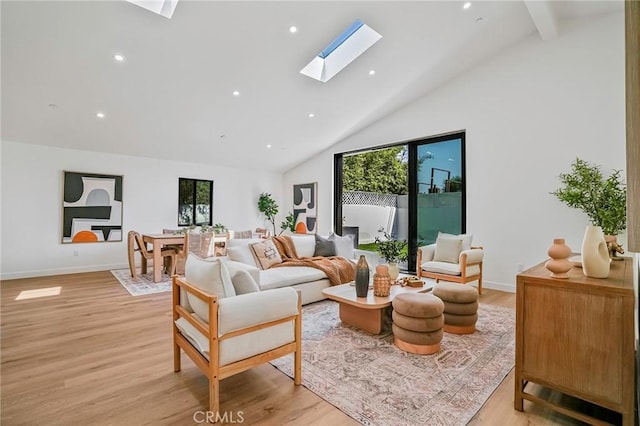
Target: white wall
528, 113
32, 204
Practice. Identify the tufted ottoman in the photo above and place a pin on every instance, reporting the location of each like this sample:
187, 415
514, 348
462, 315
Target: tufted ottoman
417, 322
460, 307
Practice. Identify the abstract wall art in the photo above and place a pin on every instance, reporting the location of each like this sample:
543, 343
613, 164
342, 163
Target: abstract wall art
305, 208
91, 208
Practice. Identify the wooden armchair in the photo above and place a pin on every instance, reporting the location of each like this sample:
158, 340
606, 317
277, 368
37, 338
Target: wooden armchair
135, 244
242, 331
466, 270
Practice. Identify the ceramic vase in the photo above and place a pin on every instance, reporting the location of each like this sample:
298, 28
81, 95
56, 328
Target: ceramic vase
362, 277
381, 281
559, 263
394, 271
595, 256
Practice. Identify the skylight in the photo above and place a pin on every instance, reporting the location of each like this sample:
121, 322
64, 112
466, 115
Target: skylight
353, 42
161, 7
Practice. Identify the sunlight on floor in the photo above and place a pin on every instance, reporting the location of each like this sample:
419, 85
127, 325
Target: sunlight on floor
39, 292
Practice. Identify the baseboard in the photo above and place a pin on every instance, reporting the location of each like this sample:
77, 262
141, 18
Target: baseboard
61, 271
509, 288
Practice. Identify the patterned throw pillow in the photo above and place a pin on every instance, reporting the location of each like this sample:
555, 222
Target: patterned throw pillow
266, 254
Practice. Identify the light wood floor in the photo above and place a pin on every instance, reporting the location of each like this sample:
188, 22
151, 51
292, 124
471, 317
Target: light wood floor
96, 355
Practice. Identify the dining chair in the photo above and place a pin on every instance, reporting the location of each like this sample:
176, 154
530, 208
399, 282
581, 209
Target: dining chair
136, 244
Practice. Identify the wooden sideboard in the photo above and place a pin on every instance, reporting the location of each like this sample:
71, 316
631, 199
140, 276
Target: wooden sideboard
576, 336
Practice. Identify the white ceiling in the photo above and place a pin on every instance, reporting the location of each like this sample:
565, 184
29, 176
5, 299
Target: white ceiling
172, 96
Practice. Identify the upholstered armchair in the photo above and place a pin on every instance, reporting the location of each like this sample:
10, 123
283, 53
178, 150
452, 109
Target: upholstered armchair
451, 258
225, 329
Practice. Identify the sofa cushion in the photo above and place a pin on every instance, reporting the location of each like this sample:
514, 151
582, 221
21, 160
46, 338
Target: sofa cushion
210, 276
448, 250
244, 283
239, 251
305, 244
289, 275
324, 247
265, 253
344, 245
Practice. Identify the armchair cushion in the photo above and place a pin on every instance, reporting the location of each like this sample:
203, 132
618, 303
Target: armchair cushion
448, 268
474, 255
210, 276
466, 239
448, 250
244, 283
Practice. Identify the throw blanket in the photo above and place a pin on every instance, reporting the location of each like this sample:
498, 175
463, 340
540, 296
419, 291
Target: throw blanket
338, 269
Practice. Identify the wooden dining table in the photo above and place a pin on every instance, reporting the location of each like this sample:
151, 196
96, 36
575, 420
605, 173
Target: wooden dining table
158, 241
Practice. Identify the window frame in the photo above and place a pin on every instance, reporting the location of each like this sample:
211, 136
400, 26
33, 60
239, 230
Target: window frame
195, 201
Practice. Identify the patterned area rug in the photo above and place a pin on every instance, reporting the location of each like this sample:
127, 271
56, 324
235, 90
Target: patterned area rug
143, 283
375, 383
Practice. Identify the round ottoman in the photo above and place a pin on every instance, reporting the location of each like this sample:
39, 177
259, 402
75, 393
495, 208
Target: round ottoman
417, 322
460, 306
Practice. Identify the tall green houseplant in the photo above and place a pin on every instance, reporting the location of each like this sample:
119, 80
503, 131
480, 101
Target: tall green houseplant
269, 208
604, 200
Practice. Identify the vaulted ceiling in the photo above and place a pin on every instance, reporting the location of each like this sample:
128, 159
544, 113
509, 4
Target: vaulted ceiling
173, 95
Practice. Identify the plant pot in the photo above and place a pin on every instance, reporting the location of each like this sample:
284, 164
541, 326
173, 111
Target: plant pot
394, 271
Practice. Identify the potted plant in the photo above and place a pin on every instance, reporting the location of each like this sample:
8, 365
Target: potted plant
288, 224
219, 228
269, 208
604, 201
393, 251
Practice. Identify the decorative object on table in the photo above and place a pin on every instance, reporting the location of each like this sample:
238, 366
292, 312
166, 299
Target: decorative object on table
604, 201
613, 247
595, 255
269, 208
393, 251
92, 208
412, 281
559, 264
219, 228
362, 277
305, 208
381, 281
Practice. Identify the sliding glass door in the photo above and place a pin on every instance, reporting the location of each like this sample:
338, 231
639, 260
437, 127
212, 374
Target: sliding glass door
432, 201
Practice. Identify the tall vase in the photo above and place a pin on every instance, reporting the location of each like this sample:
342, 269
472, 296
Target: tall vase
362, 277
595, 256
394, 271
559, 263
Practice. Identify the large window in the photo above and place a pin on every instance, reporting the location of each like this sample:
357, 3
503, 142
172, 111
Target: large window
195, 202
411, 191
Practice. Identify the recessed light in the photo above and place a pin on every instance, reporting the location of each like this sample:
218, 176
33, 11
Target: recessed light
293, 29
372, 72
478, 19
100, 114
311, 115
236, 93
268, 146
118, 57
52, 106
467, 5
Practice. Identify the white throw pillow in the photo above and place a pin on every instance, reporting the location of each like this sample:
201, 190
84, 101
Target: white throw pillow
210, 276
344, 245
305, 244
242, 254
466, 239
448, 250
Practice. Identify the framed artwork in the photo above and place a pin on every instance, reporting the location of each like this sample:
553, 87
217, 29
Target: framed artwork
91, 208
305, 208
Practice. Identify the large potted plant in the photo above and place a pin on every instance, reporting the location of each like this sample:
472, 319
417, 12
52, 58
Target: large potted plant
604, 201
393, 251
269, 208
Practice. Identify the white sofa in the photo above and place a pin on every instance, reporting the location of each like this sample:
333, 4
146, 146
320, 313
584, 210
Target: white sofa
308, 280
